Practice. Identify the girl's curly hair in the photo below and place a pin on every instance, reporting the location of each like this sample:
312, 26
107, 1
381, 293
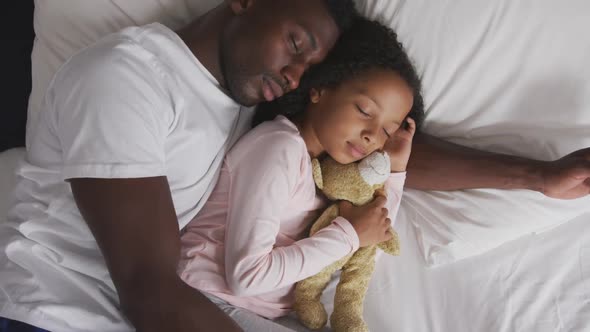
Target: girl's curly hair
365, 46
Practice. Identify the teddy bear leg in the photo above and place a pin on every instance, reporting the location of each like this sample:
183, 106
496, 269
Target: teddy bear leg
351, 290
308, 307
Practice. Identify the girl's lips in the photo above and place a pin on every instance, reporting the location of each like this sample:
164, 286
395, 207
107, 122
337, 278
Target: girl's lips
357, 151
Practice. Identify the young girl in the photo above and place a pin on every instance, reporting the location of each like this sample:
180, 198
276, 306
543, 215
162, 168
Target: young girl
248, 247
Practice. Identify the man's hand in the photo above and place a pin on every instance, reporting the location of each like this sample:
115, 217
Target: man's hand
399, 146
568, 177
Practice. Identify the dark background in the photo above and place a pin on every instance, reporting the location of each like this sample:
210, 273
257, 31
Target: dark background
16, 42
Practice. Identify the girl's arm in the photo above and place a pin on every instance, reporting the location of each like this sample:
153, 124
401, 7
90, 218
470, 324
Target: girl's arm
263, 182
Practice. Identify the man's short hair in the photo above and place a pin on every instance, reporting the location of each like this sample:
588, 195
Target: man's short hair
343, 12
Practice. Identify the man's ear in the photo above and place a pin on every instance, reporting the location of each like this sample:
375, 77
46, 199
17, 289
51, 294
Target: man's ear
315, 95
238, 7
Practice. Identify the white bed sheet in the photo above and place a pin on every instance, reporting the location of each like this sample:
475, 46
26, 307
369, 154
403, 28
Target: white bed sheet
539, 283
8, 162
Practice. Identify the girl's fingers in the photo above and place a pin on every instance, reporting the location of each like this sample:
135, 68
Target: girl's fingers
411, 125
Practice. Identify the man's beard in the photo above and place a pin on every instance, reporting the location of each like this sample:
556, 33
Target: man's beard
235, 77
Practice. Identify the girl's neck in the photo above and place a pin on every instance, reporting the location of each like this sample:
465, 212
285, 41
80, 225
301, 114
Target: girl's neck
314, 148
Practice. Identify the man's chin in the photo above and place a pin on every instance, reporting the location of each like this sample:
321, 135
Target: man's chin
245, 99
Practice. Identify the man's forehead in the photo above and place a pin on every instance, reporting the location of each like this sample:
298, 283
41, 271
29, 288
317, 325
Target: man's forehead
311, 11
314, 17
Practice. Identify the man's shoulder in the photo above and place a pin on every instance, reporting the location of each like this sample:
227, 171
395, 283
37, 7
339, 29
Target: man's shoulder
116, 65
115, 54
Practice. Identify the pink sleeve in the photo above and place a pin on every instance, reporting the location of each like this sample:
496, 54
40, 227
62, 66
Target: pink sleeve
263, 181
394, 187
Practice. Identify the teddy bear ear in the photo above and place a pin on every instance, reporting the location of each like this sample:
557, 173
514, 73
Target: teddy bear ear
317, 174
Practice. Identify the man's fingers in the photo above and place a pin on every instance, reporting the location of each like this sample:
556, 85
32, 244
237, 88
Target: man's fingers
582, 172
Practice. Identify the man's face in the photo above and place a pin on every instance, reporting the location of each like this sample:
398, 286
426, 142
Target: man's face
268, 46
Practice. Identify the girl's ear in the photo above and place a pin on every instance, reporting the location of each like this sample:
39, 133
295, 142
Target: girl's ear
315, 95
238, 7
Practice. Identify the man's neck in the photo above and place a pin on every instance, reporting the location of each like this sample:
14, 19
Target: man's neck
203, 37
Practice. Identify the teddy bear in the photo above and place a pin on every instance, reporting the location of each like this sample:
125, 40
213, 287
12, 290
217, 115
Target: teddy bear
357, 183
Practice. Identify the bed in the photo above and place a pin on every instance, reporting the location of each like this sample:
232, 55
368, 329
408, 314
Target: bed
500, 75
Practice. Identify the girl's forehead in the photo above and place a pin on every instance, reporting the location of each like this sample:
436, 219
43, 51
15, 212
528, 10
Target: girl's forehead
373, 77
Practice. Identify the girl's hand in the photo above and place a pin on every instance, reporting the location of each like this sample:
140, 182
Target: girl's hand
399, 146
370, 221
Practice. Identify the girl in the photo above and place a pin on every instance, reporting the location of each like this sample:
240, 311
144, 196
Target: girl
247, 247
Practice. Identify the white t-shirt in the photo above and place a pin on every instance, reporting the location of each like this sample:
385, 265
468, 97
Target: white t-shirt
136, 104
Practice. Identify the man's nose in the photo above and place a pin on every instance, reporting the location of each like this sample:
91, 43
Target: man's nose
293, 73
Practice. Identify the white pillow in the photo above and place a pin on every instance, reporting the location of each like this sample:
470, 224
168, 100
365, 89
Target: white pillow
504, 76
64, 27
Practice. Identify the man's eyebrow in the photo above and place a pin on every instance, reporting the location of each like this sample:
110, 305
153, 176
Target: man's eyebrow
312, 40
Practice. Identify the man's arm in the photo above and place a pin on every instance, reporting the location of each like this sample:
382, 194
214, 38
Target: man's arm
135, 225
439, 165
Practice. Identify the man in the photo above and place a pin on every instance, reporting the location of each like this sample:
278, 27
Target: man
138, 125
131, 139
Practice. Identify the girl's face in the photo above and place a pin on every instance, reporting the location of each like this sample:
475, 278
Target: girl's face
356, 118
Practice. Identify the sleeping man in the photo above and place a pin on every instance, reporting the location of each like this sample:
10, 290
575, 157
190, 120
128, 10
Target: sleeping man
129, 146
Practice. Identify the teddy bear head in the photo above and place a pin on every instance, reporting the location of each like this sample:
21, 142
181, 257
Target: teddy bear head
354, 182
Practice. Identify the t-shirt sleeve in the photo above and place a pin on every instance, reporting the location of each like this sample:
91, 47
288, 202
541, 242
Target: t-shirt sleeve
109, 113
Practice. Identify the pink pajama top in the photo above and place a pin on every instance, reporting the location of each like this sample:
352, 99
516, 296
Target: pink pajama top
248, 245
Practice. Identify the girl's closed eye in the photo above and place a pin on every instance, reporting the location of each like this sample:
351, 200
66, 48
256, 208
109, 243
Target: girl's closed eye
362, 111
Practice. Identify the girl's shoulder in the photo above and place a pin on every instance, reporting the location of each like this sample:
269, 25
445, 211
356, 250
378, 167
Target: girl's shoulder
277, 141
280, 126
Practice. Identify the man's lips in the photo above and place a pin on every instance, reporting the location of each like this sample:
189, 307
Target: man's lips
357, 151
271, 89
